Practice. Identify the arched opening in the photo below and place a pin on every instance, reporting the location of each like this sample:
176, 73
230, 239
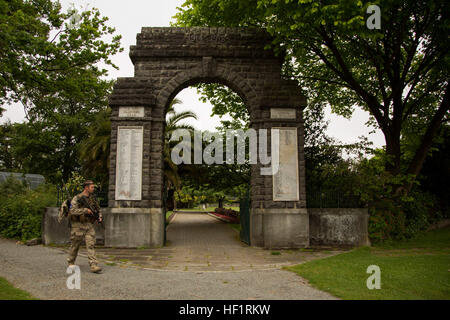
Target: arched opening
202, 200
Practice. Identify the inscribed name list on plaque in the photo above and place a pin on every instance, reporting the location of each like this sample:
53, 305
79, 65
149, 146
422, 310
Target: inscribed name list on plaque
282, 113
131, 112
285, 179
129, 163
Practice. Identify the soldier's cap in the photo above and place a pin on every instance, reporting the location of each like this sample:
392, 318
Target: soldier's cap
87, 182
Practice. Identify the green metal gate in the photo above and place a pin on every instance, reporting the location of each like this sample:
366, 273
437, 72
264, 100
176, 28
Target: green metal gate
164, 209
244, 217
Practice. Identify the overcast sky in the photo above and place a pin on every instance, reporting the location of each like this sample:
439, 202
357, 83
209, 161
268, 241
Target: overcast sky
128, 17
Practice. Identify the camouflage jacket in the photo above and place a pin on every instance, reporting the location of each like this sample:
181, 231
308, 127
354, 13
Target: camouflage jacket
79, 212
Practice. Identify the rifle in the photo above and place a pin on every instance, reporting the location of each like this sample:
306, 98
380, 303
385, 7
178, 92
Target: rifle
68, 204
95, 211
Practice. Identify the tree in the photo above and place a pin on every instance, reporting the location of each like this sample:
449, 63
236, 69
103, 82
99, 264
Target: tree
32, 148
395, 73
43, 53
49, 63
94, 150
225, 101
173, 119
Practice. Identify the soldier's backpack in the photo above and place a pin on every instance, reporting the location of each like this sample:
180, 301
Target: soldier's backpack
64, 209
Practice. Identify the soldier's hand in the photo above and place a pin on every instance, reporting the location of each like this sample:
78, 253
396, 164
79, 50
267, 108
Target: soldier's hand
90, 212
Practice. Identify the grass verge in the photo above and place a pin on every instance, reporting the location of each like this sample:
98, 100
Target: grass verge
418, 268
168, 214
235, 226
9, 292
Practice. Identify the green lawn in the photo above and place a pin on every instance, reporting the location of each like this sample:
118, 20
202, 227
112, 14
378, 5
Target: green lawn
410, 269
8, 292
235, 226
168, 213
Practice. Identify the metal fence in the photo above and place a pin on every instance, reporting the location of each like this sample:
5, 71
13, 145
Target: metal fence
100, 195
319, 199
327, 199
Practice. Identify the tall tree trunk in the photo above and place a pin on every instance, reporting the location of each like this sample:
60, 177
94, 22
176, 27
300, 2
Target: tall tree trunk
392, 164
421, 153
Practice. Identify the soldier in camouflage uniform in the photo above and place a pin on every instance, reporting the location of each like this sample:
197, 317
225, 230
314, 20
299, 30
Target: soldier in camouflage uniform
82, 221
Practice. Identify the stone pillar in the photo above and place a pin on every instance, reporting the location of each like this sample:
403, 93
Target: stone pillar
132, 219
279, 218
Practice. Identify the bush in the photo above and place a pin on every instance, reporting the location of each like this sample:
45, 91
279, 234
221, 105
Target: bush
386, 221
21, 209
421, 212
403, 218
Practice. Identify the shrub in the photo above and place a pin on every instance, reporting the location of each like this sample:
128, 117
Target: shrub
422, 211
403, 218
21, 209
386, 221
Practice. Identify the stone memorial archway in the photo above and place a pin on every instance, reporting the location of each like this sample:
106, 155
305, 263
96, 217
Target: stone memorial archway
166, 61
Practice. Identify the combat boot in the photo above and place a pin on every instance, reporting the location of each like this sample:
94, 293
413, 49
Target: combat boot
95, 268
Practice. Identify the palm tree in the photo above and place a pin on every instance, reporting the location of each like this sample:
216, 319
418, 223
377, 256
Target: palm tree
94, 150
172, 123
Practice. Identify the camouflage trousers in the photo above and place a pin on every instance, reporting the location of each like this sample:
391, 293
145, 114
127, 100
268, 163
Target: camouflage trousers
78, 233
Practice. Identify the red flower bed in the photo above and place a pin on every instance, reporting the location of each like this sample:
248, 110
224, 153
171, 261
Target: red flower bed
227, 214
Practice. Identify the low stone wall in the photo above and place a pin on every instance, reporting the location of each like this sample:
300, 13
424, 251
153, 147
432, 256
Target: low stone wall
124, 227
54, 232
279, 228
134, 227
338, 226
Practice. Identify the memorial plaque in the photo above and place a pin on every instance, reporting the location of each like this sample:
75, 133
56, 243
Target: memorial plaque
129, 163
285, 179
131, 112
282, 113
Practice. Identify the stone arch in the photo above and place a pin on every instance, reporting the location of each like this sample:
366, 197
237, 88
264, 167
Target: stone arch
222, 75
166, 60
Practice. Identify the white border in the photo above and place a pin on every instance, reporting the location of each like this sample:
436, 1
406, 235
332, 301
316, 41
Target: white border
117, 197
139, 112
297, 198
287, 111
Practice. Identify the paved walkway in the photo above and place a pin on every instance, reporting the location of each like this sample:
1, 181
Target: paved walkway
204, 260
199, 242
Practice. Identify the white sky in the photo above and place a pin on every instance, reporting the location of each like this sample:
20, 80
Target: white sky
129, 16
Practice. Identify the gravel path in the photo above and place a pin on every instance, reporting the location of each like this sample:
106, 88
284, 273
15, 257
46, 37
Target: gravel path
41, 271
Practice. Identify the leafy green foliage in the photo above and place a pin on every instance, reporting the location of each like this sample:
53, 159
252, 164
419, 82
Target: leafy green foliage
225, 101
21, 209
192, 196
94, 149
42, 55
398, 73
51, 66
74, 185
173, 119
